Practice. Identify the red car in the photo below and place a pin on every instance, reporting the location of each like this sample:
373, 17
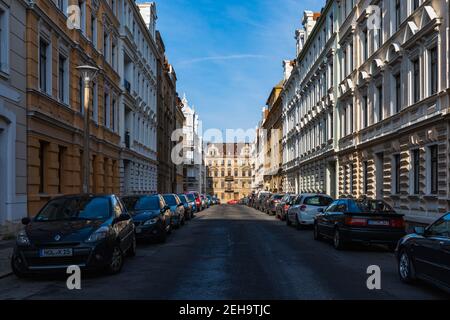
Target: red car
233, 202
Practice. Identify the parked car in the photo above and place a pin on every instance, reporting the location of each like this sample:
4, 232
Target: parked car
217, 200
305, 207
198, 200
283, 206
272, 203
425, 254
260, 202
151, 216
210, 200
176, 208
188, 210
204, 202
364, 221
232, 202
92, 232
192, 200
265, 203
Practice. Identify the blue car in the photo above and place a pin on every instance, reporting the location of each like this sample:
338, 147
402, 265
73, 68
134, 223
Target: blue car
151, 216
176, 208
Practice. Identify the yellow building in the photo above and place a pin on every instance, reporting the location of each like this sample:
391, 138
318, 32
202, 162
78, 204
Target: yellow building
272, 125
55, 98
229, 174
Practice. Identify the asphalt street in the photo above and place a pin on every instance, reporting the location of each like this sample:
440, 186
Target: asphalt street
235, 252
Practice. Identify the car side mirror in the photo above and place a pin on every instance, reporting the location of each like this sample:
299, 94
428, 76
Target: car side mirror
420, 231
26, 221
123, 217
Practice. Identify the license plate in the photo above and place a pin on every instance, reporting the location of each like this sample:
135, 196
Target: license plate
56, 253
378, 222
138, 230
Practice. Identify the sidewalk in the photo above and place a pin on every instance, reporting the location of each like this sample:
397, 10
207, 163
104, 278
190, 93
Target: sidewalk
6, 248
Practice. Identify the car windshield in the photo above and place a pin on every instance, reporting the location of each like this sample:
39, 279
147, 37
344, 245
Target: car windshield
370, 206
147, 203
277, 197
182, 198
318, 201
170, 200
76, 208
190, 197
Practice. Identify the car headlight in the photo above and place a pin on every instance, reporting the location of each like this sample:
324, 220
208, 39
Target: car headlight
22, 239
98, 235
151, 222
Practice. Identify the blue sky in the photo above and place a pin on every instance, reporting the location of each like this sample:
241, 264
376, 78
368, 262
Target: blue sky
228, 53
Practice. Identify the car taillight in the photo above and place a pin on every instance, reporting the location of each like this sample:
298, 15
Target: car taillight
359, 222
398, 223
303, 207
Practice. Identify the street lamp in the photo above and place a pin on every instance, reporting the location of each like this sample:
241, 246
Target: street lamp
88, 73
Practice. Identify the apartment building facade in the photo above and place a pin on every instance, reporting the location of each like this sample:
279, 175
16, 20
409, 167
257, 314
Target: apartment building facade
384, 105
309, 159
138, 102
55, 95
13, 149
229, 172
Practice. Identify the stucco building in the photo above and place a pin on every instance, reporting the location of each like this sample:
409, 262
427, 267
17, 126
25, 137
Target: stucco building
55, 92
13, 149
138, 55
228, 168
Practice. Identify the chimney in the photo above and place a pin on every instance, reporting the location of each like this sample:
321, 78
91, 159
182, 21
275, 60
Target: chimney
309, 21
300, 40
288, 66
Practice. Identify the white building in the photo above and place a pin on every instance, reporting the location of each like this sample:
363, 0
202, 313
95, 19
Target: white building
138, 102
13, 149
194, 161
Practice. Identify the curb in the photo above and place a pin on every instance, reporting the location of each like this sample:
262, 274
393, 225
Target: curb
6, 275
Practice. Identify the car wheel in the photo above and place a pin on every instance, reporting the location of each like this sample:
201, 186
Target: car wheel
116, 262
132, 250
298, 225
317, 235
405, 268
16, 269
169, 230
338, 243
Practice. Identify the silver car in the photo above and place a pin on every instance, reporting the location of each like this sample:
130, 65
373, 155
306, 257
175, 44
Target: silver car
305, 207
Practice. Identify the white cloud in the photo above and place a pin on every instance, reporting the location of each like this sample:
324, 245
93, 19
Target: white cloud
221, 58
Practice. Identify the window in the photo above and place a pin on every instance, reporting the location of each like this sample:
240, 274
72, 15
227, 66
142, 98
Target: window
398, 17
82, 5
365, 111
365, 45
433, 169
42, 165
106, 112
4, 40
380, 31
44, 66
441, 228
366, 177
397, 166
94, 30
106, 45
113, 55
416, 81
351, 58
62, 79
380, 102
416, 4
61, 159
350, 126
113, 117
398, 93
95, 102
416, 171
433, 71
344, 63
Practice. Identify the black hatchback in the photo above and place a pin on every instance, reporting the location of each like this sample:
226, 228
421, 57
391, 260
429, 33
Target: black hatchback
89, 231
425, 254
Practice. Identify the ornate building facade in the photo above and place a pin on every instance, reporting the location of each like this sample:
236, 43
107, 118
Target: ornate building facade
366, 107
229, 172
55, 112
138, 56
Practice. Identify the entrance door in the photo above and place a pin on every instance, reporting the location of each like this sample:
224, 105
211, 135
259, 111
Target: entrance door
331, 179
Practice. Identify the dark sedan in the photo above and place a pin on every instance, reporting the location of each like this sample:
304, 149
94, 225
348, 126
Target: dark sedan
284, 205
92, 232
188, 208
425, 254
176, 208
151, 216
364, 221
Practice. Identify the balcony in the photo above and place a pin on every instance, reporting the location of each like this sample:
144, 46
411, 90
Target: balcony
229, 178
